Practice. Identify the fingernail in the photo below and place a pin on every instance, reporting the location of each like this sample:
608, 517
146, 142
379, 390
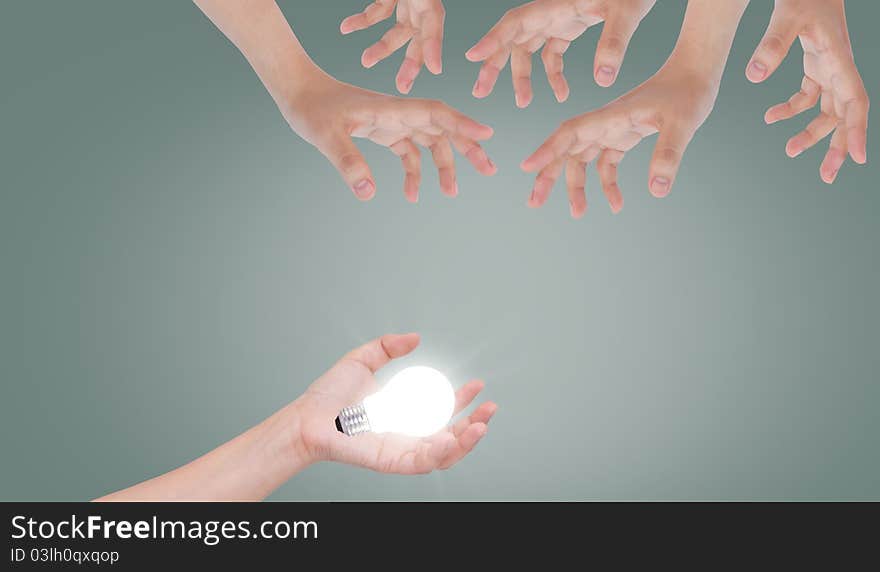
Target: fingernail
363, 188
571, 208
532, 197
660, 186
491, 162
476, 87
455, 188
605, 74
757, 70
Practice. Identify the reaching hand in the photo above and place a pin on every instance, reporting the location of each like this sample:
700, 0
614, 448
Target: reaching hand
830, 76
348, 382
329, 113
554, 24
675, 103
419, 22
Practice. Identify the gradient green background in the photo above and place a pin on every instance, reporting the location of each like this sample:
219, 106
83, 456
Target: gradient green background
176, 265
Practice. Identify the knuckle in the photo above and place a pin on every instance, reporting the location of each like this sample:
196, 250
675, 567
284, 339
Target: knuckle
612, 44
668, 155
774, 45
349, 162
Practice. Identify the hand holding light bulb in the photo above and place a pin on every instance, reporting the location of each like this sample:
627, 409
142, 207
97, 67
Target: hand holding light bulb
409, 415
408, 432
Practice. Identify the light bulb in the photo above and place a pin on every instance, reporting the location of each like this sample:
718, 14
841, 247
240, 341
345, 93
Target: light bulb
418, 402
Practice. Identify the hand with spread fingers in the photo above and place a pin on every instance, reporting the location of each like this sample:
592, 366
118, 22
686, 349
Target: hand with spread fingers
352, 379
553, 25
419, 23
329, 113
831, 80
674, 103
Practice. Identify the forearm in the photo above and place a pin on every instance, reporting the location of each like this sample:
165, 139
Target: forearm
260, 31
246, 468
707, 35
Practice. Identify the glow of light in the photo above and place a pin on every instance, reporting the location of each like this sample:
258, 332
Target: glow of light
418, 401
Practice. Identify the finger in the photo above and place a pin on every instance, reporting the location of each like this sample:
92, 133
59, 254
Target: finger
815, 131
452, 121
576, 181
544, 183
616, 35
410, 68
482, 414
348, 160
377, 353
489, 72
466, 394
411, 158
393, 40
554, 64
497, 39
803, 100
441, 151
606, 165
835, 157
474, 154
432, 39
668, 152
521, 72
464, 444
856, 118
393, 453
375, 12
556, 146
774, 46
430, 453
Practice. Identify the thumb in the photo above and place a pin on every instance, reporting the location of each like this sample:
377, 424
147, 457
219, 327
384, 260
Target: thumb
616, 34
350, 162
668, 152
774, 46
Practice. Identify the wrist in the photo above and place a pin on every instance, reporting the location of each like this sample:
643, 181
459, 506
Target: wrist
280, 442
292, 80
707, 35
690, 66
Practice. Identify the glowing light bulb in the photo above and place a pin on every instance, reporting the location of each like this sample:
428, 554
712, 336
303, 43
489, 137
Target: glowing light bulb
418, 401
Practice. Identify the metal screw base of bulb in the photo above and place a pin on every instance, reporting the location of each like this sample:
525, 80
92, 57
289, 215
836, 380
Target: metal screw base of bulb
353, 420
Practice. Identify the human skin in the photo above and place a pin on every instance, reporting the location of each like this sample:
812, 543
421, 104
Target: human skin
674, 103
329, 114
419, 24
554, 24
257, 462
831, 79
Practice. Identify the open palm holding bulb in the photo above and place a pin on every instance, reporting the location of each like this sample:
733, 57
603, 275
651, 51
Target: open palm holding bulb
402, 427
